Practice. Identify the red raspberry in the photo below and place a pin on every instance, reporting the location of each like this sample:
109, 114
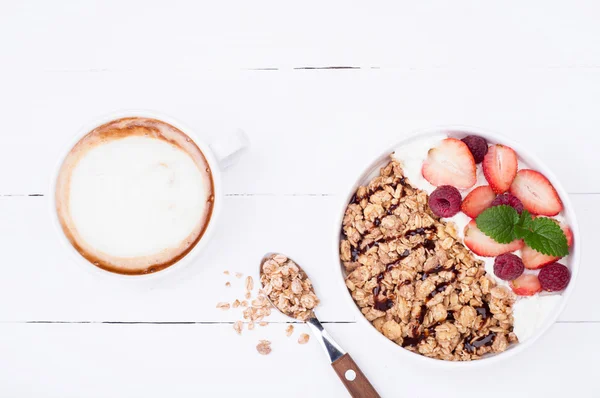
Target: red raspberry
477, 145
508, 266
445, 201
509, 200
554, 277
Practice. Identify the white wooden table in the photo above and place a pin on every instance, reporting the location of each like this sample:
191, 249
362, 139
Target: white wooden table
530, 70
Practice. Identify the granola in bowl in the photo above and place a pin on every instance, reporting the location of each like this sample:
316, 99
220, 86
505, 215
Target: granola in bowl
457, 248
413, 279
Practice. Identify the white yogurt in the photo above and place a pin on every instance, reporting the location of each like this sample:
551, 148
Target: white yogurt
529, 312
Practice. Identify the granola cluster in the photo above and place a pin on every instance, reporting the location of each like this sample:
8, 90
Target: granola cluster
288, 287
256, 309
414, 280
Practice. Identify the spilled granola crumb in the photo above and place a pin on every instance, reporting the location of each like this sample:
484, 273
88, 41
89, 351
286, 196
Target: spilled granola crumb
256, 305
249, 284
303, 339
264, 347
289, 330
238, 326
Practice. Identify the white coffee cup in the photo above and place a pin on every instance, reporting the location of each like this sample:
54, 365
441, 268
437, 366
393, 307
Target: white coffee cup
219, 154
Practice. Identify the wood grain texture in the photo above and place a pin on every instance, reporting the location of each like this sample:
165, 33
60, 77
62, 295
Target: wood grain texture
266, 34
353, 378
42, 267
311, 131
124, 361
321, 88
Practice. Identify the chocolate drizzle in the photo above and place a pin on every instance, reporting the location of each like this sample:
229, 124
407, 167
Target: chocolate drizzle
355, 253
484, 311
439, 288
391, 209
419, 231
386, 304
485, 341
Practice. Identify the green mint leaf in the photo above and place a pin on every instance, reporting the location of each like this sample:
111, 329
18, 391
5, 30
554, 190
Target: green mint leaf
521, 232
498, 223
523, 227
525, 221
547, 238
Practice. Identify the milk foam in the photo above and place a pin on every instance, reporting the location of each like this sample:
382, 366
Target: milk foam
136, 196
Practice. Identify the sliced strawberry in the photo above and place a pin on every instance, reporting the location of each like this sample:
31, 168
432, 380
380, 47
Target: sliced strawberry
536, 192
477, 201
526, 285
450, 163
500, 167
483, 245
535, 260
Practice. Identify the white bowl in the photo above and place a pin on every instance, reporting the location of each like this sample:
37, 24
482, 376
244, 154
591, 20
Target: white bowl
533, 162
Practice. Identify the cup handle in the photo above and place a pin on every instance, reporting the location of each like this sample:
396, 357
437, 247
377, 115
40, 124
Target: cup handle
228, 148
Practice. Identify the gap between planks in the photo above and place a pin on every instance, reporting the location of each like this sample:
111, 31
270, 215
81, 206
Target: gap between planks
211, 322
23, 195
167, 322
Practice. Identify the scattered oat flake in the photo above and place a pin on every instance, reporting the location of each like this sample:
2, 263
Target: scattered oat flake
236, 304
226, 272
227, 284
251, 326
238, 275
303, 338
264, 347
280, 258
289, 330
263, 323
244, 303
223, 306
249, 283
248, 295
238, 326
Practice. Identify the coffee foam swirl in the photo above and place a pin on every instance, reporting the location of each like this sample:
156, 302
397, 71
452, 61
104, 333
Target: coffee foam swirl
134, 195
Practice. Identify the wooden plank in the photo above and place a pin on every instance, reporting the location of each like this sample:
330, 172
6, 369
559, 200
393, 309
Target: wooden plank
99, 360
142, 35
311, 131
42, 282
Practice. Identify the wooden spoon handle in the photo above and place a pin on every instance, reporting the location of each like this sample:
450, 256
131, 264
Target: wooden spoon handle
353, 378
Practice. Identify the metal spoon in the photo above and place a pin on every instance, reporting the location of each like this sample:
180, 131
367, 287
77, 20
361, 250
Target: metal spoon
349, 373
